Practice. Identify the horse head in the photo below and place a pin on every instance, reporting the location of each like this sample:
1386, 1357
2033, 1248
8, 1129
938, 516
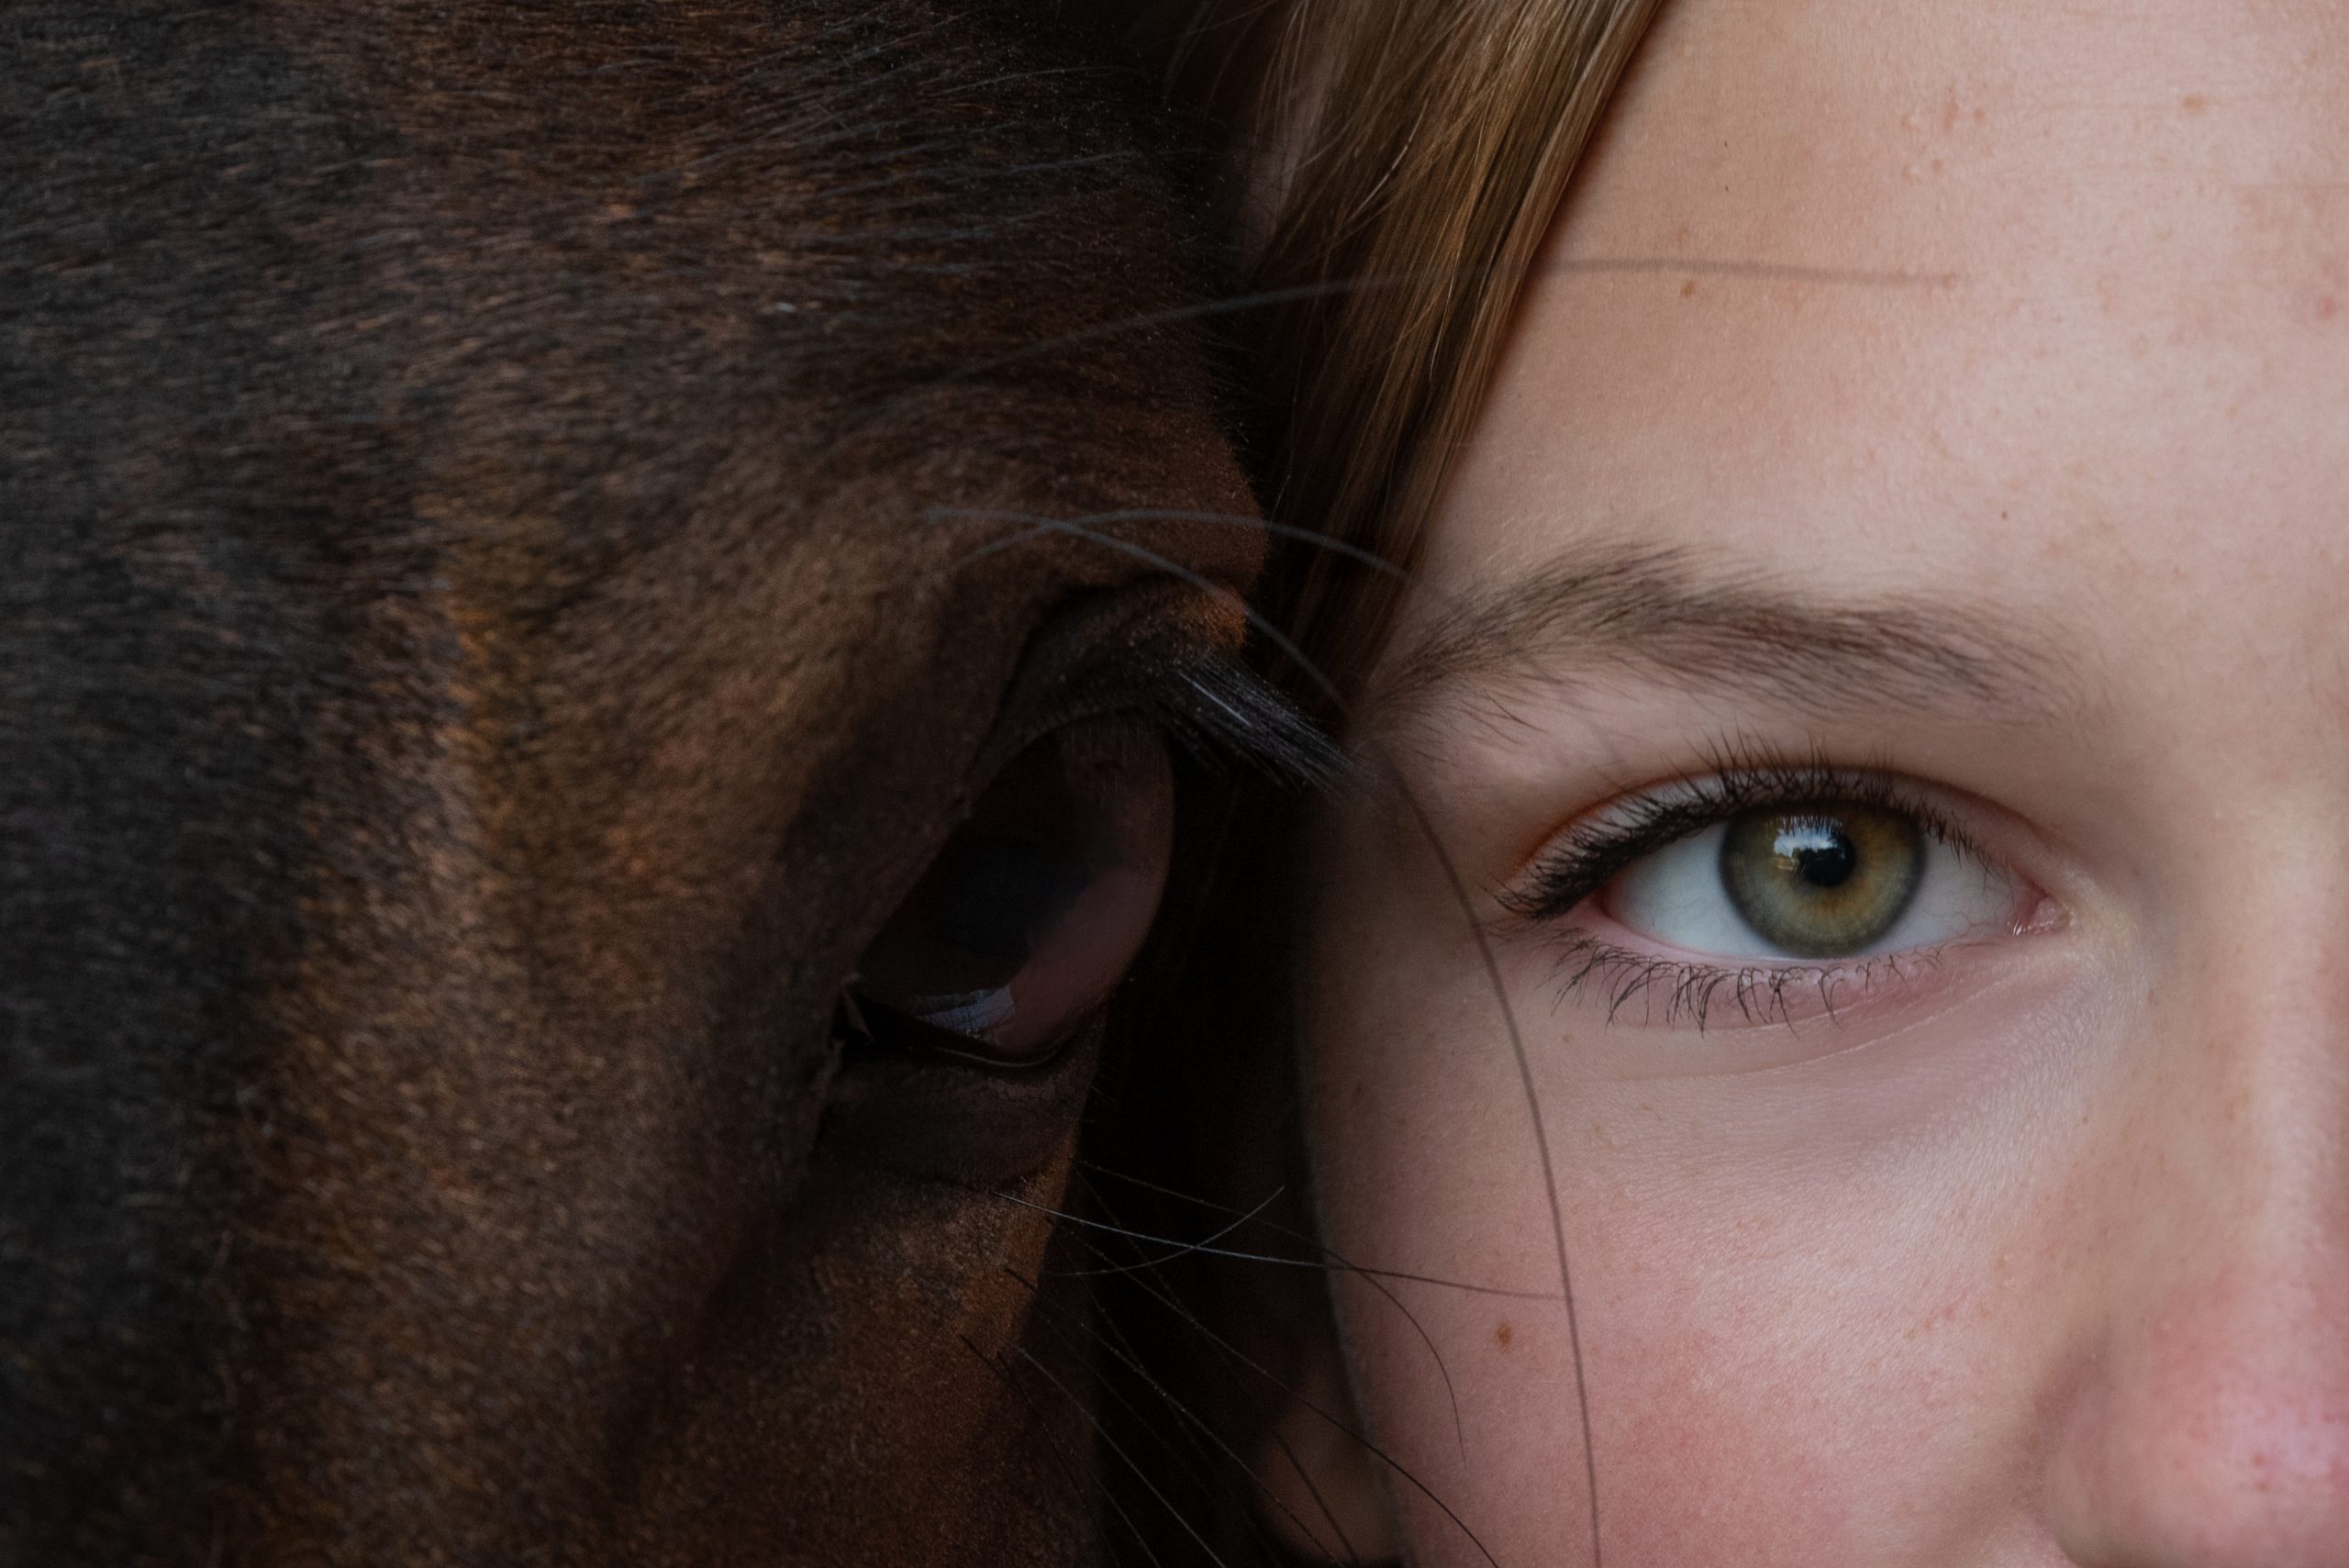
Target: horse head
548, 556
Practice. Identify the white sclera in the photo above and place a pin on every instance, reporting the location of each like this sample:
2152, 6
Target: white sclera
1675, 896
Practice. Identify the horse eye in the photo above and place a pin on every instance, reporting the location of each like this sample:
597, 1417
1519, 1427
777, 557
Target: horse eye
1030, 914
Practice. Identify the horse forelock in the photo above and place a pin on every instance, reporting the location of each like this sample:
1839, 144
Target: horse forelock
355, 356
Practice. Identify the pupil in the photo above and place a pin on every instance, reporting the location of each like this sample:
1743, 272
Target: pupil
1007, 893
1819, 852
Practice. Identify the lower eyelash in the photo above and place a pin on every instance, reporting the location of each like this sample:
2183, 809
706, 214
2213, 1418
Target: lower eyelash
1689, 992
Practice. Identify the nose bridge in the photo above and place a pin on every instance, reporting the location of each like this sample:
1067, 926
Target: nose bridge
2266, 1055
2212, 1427
2241, 1079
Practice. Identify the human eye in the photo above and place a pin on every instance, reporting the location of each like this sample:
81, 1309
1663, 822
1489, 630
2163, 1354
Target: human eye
1783, 889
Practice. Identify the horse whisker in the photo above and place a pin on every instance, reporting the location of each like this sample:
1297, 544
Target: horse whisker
1126, 1357
1173, 515
1116, 1449
1337, 1264
1389, 1460
1060, 1457
1187, 1249
1444, 1369
1329, 1515
1182, 573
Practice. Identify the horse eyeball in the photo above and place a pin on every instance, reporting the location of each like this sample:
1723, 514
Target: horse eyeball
1032, 912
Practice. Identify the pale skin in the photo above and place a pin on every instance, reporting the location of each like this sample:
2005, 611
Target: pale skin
2019, 328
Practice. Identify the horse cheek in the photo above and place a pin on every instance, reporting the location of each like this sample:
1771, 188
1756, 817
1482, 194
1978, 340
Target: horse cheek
920, 1351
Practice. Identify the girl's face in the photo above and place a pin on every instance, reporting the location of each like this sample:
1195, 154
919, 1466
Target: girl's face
1881, 680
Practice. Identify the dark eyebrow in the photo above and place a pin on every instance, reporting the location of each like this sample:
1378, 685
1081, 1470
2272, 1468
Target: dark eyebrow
1660, 613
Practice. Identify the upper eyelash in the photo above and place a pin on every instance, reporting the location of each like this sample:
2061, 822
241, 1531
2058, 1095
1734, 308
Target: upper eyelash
1588, 852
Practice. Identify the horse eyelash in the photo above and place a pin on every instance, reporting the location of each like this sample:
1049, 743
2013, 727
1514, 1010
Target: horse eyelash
1220, 709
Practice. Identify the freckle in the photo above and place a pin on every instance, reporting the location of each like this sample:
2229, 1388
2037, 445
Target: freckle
2193, 103
1937, 165
1688, 289
1503, 1334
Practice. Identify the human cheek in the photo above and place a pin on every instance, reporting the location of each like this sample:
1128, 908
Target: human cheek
1725, 1424
1426, 1164
1853, 1401
1824, 1308
1804, 1296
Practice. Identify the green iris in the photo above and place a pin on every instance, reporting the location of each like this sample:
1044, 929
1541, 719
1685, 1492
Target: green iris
1823, 881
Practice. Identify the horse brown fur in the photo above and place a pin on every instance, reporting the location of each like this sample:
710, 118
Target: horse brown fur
490, 624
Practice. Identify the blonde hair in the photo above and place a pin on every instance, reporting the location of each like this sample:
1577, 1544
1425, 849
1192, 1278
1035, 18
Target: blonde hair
1428, 143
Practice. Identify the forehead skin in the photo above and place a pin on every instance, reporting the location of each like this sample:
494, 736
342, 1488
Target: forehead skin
1881, 274
2042, 307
